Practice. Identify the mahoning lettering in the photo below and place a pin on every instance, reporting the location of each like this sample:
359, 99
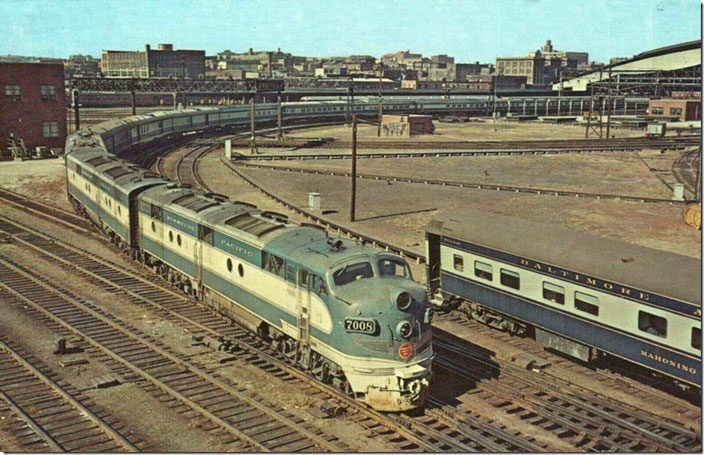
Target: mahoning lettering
669, 362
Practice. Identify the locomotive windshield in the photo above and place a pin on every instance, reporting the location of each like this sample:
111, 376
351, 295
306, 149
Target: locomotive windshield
394, 268
352, 272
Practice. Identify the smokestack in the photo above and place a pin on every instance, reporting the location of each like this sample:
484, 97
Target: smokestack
147, 47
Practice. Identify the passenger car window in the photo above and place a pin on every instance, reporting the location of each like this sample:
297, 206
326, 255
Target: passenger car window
554, 293
586, 303
654, 325
393, 267
510, 279
483, 270
697, 338
352, 272
458, 262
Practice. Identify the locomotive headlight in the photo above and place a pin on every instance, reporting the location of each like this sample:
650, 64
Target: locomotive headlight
403, 300
405, 329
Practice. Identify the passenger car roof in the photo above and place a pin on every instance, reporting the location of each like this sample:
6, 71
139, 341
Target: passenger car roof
668, 274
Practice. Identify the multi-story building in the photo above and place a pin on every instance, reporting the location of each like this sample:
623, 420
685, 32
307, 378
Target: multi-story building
161, 62
33, 104
462, 70
533, 68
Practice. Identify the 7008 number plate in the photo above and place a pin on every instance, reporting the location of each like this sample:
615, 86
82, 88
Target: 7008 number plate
368, 326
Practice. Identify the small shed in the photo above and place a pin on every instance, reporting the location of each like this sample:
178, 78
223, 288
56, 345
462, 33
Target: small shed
407, 125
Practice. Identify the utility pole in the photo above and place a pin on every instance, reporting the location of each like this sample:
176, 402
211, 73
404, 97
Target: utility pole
253, 142
133, 102
349, 92
76, 113
280, 119
354, 166
698, 182
608, 108
381, 73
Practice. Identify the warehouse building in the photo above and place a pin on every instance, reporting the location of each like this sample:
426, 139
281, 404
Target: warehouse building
33, 104
151, 63
683, 110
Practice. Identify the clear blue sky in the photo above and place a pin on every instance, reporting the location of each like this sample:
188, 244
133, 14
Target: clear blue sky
470, 30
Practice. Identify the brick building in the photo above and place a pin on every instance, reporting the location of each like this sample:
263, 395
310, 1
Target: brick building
683, 110
33, 104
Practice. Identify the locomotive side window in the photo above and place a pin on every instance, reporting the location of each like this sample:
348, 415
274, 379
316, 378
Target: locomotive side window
178, 239
156, 212
458, 262
697, 338
273, 264
291, 273
393, 267
318, 285
510, 279
205, 234
229, 265
587, 303
483, 270
654, 325
554, 293
171, 236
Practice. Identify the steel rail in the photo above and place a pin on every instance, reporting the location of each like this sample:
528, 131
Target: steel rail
326, 222
125, 331
469, 185
66, 397
593, 407
124, 280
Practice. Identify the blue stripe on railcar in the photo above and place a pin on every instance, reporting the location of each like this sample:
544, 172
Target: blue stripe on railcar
181, 223
609, 340
107, 218
618, 289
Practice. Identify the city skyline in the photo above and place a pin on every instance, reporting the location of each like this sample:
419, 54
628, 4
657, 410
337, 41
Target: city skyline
469, 31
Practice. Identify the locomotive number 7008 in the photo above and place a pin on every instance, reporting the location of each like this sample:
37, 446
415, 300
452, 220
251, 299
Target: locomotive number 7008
360, 325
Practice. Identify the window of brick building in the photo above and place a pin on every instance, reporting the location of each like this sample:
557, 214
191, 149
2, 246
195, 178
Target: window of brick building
50, 129
13, 91
48, 93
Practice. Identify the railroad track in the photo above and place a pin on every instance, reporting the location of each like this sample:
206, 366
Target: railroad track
247, 417
591, 421
50, 415
437, 433
64, 218
555, 144
327, 223
469, 185
185, 169
444, 150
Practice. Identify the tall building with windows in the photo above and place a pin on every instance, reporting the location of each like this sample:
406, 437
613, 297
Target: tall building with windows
33, 104
161, 62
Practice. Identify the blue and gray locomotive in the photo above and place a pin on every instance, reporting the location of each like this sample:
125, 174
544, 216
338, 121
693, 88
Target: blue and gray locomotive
351, 315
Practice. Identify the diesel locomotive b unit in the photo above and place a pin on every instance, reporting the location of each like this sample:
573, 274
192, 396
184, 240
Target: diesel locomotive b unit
580, 294
349, 314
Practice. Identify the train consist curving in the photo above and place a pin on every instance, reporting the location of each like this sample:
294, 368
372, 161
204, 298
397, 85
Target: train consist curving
351, 315
582, 295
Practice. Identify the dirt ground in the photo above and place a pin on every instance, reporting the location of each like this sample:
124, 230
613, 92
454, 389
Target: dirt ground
607, 173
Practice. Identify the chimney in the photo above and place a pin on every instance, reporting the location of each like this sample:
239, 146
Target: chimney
166, 47
147, 47
251, 51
